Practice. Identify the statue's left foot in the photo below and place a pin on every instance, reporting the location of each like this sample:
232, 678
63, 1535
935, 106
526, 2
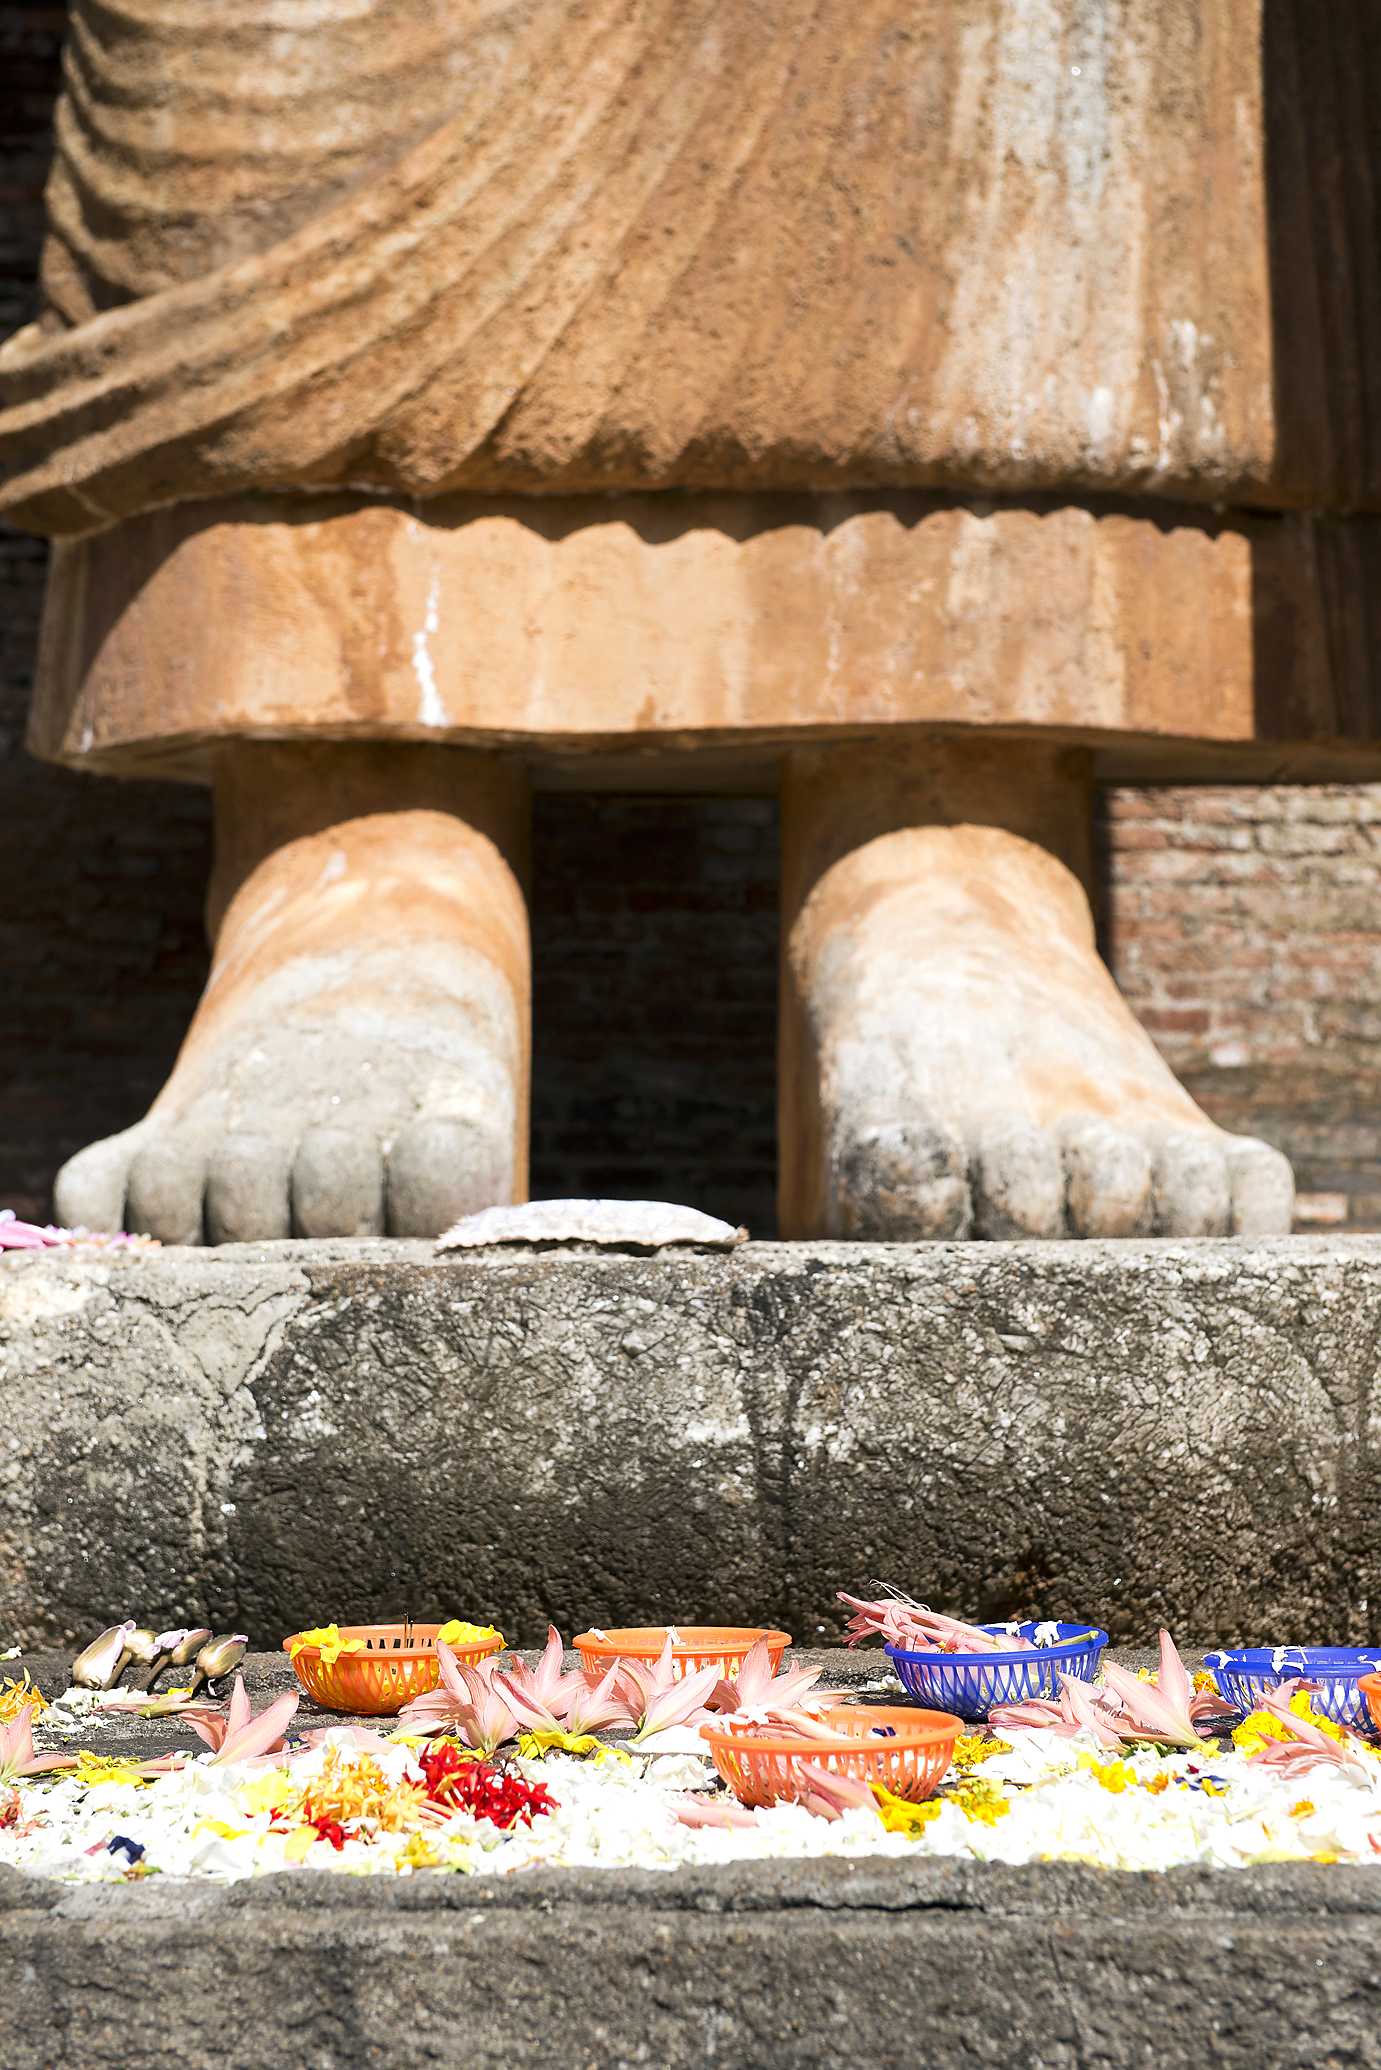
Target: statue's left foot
958, 1061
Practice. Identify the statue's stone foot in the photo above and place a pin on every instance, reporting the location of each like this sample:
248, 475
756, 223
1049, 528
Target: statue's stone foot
359, 1060
957, 1060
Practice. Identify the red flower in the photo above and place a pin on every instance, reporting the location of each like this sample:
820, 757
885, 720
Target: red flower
459, 1783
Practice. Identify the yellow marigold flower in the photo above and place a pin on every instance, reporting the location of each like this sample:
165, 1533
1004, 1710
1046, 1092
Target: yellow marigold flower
1259, 1726
106, 1768
980, 1800
14, 1696
1114, 1776
1254, 1731
359, 1789
418, 1854
900, 1815
535, 1745
972, 1747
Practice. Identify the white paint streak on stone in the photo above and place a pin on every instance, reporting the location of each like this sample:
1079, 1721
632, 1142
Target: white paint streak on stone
430, 710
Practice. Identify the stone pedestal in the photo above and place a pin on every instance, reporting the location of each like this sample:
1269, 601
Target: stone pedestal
270, 1435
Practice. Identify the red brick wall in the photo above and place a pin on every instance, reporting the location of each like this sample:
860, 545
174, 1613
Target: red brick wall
102, 955
654, 1002
1244, 927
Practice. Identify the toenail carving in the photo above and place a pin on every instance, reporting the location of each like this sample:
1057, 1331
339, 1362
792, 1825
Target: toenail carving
1190, 1181
1263, 1188
1108, 1179
441, 1169
1019, 1182
338, 1183
901, 1183
247, 1190
167, 1182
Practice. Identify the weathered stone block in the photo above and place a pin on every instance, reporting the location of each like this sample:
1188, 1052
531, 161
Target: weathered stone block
774, 1964
272, 1434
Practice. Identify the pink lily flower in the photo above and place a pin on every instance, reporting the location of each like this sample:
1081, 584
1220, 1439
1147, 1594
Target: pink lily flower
827, 1795
597, 1703
724, 1812
467, 1702
1126, 1708
17, 1756
1081, 1708
98, 1665
1308, 1748
1163, 1710
755, 1683
540, 1697
239, 1736
915, 1628
657, 1699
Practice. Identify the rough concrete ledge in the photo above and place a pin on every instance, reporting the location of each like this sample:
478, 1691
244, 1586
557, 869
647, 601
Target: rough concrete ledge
763, 1964
266, 1435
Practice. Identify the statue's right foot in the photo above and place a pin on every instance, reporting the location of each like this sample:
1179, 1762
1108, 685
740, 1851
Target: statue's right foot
358, 1063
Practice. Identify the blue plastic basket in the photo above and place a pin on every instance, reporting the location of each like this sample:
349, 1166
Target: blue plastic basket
1244, 1677
972, 1684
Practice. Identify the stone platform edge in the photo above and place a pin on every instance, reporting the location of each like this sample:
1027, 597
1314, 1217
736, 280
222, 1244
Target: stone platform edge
769, 1964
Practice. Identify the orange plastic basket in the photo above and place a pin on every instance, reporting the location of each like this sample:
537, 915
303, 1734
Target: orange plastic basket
763, 1769
387, 1674
695, 1646
1370, 1686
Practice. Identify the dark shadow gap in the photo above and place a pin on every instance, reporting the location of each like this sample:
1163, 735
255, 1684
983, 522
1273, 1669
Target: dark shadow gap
654, 1008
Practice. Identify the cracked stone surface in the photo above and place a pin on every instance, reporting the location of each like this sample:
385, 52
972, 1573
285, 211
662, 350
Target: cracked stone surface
265, 1436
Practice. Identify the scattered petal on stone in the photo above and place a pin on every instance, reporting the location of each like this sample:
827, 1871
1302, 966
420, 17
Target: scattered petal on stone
644, 1225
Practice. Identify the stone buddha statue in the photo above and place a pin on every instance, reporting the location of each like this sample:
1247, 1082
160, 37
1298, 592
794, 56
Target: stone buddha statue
915, 405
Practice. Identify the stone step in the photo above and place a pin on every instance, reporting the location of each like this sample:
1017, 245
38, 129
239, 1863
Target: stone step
267, 1436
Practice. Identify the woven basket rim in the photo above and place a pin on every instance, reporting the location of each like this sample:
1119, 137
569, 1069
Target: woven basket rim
943, 1725
426, 1651
691, 1638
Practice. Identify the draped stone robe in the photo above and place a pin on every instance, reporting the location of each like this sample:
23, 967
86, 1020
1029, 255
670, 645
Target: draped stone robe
1012, 361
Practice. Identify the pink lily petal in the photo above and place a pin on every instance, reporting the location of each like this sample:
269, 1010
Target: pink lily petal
17, 1756
1310, 1745
1148, 1711
827, 1795
911, 1625
526, 1706
1079, 1701
468, 1703
23, 1236
1173, 1680
216, 1727
724, 1812
755, 1674
792, 1687
450, 1670
678, 1705
591, 1708
262, 1735
238, 1715
547, 1673
1033, 1714
755, 1683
